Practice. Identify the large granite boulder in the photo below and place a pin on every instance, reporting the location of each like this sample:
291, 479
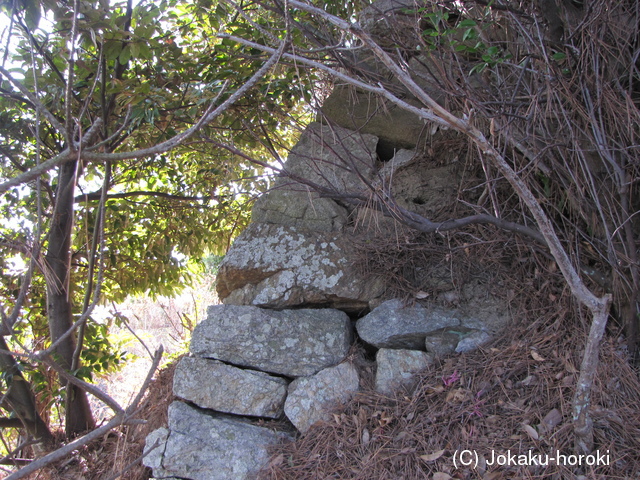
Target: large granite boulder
200, 446
225, 388
294, 343
365, 112
311, 399
276, 266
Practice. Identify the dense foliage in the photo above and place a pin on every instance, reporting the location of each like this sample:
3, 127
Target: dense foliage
110, 81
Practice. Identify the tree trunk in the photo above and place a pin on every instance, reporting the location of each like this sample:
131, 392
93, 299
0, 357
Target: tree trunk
20, 400
59, 303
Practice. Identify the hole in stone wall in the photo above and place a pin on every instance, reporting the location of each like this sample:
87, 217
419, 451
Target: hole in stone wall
369, 350
385, 150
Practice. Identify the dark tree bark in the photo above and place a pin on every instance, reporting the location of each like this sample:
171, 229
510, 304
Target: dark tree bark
20, 400
59, 302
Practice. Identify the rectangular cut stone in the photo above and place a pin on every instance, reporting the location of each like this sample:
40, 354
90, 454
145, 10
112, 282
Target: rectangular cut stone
294, 343
199, 446
225, 388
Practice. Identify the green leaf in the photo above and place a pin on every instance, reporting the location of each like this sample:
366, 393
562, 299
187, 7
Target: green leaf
125, 55
469, 34
478, 68
112, 49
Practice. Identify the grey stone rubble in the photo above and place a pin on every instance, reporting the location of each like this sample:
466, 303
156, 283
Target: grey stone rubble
250, 360
324, 155
473, 340
393, 325
263, 363
397, 368
295, 252
276, 266
445, 340
309, 345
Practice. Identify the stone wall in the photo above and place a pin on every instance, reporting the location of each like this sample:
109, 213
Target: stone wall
293, 307
294, 304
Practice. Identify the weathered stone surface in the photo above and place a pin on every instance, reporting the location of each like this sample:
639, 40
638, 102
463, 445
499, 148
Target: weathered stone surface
155, 445
291, 342
294, 254
225, 388
361, 111
444, 341
304, 210
198, 446
457, 339
425, 189
332, 156
310, 399
397, 368
392, 325
481, 310
278, 267
401, 159
473, 340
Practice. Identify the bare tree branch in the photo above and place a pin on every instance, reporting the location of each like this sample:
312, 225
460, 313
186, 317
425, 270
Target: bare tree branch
383, 202
89, 197
71, 61
87, 387
379, 90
